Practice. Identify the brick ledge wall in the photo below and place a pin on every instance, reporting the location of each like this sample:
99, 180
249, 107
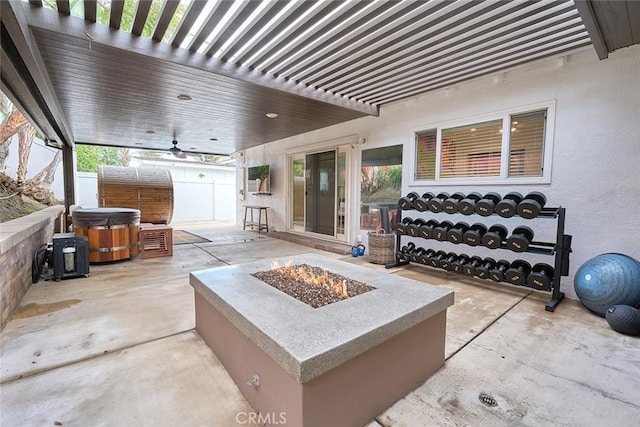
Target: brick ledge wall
18, 240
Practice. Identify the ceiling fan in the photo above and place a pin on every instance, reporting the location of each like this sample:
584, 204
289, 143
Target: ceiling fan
177, 151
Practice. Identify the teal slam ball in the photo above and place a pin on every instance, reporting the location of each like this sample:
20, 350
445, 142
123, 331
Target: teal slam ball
607, 280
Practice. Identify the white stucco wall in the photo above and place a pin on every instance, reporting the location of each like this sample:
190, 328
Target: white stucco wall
596, 151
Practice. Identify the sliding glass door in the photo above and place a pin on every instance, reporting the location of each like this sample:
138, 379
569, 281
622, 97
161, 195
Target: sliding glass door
318, 192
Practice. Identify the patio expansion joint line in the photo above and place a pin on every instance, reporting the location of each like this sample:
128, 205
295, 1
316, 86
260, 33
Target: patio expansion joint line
210, 254
256, 240
489, 325
90, 357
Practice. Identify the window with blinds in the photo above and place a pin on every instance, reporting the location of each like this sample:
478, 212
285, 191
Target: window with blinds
477, 150
472, 150
526, 147
426, 154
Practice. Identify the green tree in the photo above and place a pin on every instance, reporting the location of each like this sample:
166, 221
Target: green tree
103, 11
148, 154
87, 157
394, 176
90, 156
109, 156
128, 15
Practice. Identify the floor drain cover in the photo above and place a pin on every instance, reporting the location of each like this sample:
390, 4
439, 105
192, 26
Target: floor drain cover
487, 400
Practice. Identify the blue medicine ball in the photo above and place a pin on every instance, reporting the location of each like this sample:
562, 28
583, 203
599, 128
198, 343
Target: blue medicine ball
608, 280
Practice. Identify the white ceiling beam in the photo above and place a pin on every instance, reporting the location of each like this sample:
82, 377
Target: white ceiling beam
14, 18
593, 28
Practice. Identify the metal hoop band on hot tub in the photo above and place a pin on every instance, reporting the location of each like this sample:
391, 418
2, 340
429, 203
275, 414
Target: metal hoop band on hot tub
113, 233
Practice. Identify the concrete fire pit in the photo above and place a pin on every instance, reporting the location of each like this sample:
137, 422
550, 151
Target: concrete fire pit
339, 365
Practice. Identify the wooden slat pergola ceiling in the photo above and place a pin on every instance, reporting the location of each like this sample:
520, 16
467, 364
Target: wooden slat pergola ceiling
315, 63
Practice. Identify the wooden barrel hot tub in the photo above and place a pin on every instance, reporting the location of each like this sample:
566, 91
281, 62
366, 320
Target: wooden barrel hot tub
112, 232
149, 190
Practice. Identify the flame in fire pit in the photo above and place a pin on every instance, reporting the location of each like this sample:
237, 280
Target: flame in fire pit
310, 284
307, 275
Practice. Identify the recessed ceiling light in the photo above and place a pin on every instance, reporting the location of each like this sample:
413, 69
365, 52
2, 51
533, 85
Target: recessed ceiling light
272, 115
183, 97
151, 132
213, 139
138, 143
192, 148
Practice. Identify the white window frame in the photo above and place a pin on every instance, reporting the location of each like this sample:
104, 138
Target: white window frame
505, 115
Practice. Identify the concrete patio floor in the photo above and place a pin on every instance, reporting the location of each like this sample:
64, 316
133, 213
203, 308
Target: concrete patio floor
119, 348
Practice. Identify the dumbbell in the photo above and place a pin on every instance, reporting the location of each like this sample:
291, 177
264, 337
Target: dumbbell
434, 261
508, 206
445, 262
426, 230
518, 272
424, 257
406, 202
467, 206
541, 277
459, 263
436, 203
494, 236
416, 255
455, 233
469, 269
450, 205
532, 204
420, 204
401, 227
403, 254
473, 236
413, 229
482, 271
410, 246
520, 239
411, 256
440, 232
487, 204
497, 272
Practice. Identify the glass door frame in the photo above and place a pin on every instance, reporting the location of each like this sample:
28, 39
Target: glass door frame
341, 146
292, 226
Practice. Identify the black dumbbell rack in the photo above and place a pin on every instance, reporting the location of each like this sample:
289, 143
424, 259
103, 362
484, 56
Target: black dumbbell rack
560, 249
